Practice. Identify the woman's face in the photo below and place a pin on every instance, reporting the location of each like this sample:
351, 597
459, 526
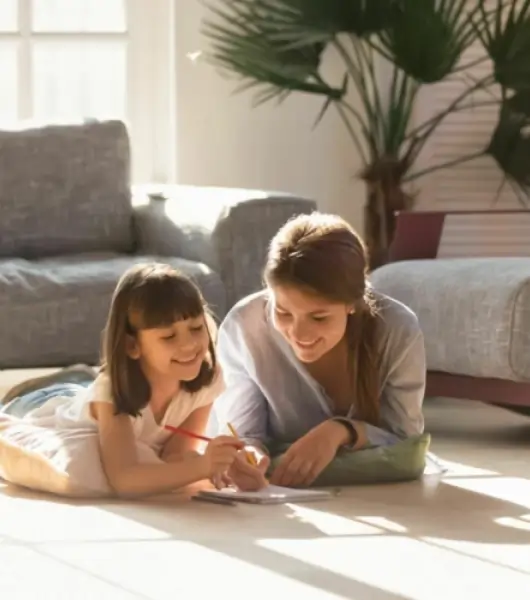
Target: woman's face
311, 324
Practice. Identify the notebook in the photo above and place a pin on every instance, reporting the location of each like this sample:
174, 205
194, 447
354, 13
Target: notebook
272, 494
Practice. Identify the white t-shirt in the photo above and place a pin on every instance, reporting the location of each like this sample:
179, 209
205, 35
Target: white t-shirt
74, 413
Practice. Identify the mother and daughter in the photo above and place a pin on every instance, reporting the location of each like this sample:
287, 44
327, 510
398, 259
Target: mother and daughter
316, 361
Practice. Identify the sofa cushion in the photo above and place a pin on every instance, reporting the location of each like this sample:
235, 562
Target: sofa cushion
65, 189
474, 312
52, 311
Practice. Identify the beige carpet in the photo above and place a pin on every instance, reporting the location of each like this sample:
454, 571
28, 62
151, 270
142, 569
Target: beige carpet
465, 537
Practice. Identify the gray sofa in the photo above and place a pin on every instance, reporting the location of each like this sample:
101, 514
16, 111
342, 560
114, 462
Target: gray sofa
466, 275
70, 225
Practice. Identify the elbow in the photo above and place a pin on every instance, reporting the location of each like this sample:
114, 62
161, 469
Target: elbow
412, 430
121, 489
123, 485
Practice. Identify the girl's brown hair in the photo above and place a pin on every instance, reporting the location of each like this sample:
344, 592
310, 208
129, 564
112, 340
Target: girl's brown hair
323, 255
148, 296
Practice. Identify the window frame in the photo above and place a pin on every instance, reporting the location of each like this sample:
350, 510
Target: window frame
150, 79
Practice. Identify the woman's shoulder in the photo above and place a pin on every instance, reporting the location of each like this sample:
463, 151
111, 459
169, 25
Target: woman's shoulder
396, 319
249, 313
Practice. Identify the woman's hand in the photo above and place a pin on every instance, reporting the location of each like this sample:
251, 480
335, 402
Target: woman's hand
245, 476
310, 455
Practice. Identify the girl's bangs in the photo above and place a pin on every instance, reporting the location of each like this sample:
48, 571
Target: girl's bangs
163, 304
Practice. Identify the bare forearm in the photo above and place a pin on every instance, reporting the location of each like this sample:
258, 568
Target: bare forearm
176, 457
149, 479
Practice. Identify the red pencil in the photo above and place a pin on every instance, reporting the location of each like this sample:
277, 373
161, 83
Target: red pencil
188, 433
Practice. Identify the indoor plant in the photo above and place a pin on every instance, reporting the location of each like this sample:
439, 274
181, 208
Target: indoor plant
276, 47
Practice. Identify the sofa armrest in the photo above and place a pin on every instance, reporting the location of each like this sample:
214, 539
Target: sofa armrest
227, 229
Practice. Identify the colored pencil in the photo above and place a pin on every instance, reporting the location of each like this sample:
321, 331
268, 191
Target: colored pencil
182, 431
250, 457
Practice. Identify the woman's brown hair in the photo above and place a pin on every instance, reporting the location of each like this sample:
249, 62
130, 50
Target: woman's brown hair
323, 255
148, 296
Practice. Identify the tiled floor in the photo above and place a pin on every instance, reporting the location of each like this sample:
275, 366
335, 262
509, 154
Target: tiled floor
463, 537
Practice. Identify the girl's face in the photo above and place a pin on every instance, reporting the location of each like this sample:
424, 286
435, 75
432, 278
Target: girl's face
176, 351
311, 325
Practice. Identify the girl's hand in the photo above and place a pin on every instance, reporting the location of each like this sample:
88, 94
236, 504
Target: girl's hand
219, 455
245, 476
310, 455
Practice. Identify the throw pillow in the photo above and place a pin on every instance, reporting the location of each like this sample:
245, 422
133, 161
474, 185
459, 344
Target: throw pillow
58, 461
403, 461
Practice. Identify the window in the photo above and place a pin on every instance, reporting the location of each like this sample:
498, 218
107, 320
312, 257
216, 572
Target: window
70, 59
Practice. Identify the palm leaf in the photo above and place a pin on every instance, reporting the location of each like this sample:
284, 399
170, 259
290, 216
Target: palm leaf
402, 96
359, 17
244, 41
428, 37
505, 34
510, 144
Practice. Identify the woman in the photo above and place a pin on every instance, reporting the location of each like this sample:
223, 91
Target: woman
318, 360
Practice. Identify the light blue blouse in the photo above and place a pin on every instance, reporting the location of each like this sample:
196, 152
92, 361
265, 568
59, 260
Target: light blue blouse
270, 396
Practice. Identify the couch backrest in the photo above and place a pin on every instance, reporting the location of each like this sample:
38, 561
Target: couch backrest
65, 189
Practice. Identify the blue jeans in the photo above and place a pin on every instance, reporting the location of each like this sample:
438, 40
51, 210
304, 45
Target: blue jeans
21, 405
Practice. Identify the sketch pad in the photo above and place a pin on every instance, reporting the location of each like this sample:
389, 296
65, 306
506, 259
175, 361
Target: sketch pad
272, 494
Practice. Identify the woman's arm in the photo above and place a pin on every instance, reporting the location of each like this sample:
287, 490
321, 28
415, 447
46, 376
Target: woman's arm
403, 394
242, 404
178, 445
401, 398
125, 475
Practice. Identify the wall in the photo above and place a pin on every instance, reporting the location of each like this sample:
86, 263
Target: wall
222, 140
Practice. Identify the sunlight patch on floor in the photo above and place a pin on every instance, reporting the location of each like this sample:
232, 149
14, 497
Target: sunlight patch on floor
522, 523
173, 571
457, 469
513, 556
404, 566
331, 524
39, 521
510, 489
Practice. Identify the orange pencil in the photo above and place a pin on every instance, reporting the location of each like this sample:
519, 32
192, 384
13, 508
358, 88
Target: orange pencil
250, 457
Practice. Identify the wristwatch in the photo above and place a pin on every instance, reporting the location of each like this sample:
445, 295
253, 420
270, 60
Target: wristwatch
352, 430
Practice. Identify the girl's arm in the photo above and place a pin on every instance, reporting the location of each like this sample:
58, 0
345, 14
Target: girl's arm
178, 445
125, 475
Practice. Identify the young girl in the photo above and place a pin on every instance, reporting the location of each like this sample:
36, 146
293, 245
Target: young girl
159, 369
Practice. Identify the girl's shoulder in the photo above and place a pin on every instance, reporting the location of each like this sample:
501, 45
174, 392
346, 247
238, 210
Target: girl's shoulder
186, 402
207, 394
100, 390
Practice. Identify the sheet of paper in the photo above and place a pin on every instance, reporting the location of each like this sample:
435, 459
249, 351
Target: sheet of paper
272, 494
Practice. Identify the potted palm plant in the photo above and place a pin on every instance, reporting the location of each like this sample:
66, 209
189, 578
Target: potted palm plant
275, 48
